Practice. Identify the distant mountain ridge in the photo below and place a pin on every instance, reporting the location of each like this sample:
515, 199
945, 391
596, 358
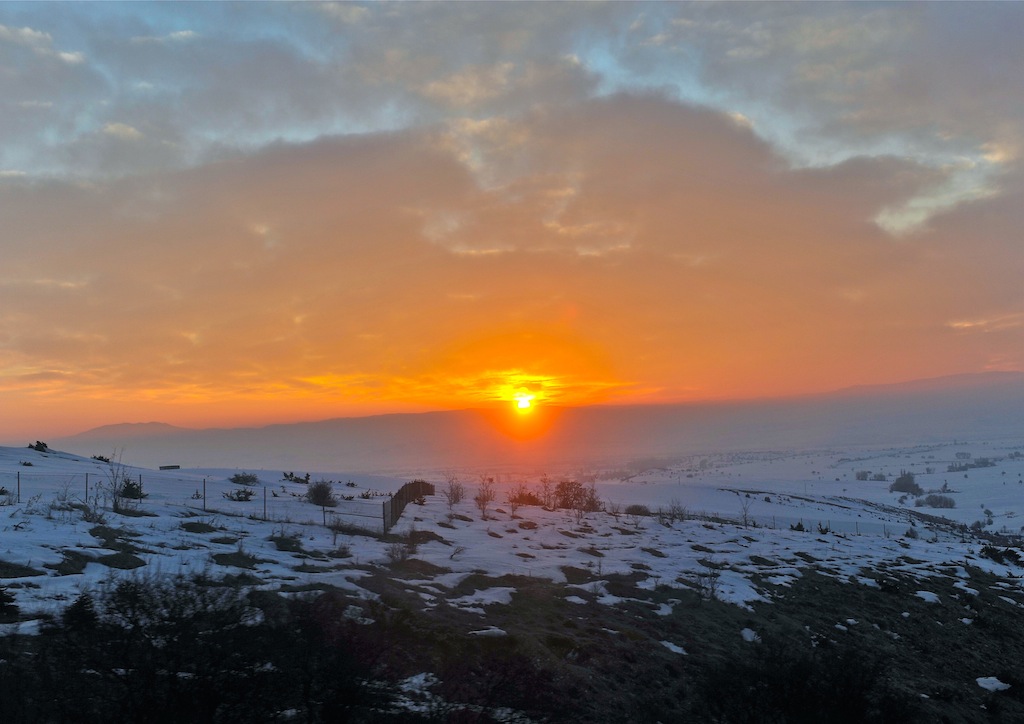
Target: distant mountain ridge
941, 409
132, 430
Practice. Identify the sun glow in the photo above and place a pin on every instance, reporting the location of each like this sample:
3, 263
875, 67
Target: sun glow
524, 402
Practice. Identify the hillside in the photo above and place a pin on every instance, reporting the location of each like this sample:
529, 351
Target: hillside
751, 565
964, 407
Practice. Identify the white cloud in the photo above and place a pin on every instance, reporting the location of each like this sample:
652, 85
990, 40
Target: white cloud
26, 36
345, 12
122, 131
178, 36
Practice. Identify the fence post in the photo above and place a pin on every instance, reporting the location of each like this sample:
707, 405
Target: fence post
19, 486
87, 487
204, 495
265, 504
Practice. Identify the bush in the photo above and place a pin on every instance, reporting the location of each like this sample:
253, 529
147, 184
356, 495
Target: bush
936, 501
398, 552
638, 510
39, 446
905, 484
453, 491
485, 495
240, 495
244, 479
568, 494
142, 649
130, 489
321, 493
8, 607
782, 681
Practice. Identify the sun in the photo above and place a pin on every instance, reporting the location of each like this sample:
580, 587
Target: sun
524, 401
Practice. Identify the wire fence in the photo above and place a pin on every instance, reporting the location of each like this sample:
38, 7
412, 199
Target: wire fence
287, 502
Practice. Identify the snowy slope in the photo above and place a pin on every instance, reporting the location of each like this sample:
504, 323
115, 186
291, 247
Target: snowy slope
50, 552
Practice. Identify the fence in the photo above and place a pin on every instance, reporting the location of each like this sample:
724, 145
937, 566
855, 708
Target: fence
369, 509
409, 492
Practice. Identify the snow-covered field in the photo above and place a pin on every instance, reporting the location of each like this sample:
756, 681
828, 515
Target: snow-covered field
733, 530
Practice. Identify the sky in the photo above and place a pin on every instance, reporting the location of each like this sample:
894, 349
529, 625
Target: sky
223, 214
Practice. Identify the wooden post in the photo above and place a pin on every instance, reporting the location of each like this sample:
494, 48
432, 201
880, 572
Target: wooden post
19, 486
87, 487
264, 502
204, 495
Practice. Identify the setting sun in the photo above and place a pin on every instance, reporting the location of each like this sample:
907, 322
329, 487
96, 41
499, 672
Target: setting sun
524, 403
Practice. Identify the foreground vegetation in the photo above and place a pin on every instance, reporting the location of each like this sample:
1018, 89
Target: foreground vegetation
204, 650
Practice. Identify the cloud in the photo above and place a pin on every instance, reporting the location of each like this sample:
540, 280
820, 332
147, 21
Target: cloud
178, 36
122, 131
298, 205
643, 240
40, 42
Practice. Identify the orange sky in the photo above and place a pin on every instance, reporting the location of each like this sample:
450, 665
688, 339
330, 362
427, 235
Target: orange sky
369, 211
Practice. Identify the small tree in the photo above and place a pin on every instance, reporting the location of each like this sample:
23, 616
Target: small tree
453, 491
546, 492
485, 495
745, 503
591, 500
517, 497
321, 493
905, 484
568, 494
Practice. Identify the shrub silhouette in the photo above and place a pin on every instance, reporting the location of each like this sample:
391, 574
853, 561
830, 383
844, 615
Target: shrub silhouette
142, 649
905, 484
321, 493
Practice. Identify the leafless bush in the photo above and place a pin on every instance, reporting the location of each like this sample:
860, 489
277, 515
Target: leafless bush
707, 579
453, 491
546, 492
677, 511
745, 503
398, 552
485, 495
517, 497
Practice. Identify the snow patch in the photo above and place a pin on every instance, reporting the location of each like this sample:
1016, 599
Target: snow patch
489, 631
991, 683
673, 648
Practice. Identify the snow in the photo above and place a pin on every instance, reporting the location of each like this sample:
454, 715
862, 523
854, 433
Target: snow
852, 529
673, 648
991, 683
750, 636
490, 631
965, 588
